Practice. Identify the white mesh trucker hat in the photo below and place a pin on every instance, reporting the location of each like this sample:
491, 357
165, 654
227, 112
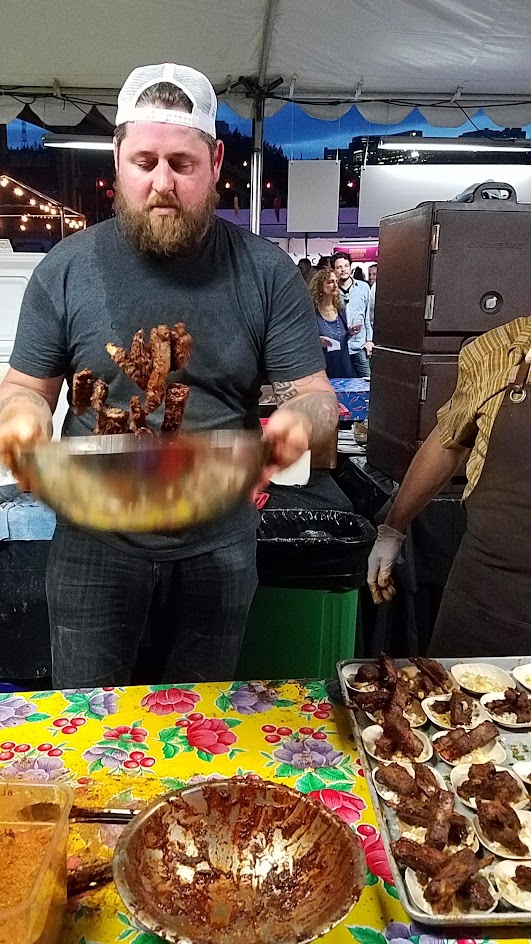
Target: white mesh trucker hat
190, 81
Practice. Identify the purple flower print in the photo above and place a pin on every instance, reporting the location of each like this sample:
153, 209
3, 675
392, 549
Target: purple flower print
40, 769
111, 757
253, 698
308, 753
103, 703
14, 711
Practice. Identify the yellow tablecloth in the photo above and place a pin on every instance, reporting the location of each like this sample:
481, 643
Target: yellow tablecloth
124, 746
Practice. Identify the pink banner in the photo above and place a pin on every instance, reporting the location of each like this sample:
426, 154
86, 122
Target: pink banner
360, 253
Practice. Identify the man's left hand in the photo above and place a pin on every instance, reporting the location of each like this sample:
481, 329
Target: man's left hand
368, 347
288, 436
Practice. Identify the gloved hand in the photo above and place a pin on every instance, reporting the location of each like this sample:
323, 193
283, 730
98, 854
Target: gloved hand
382, 559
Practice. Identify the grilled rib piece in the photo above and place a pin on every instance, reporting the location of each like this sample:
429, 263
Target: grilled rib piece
433, 671
438, 829
485, 782
175, 403
367, 673
425, 780
458, 743
461, 708
112, 420
82, 390
515, 702
159, 343
181, 346
500, 824
522, 877
458, 869
397, 778
137, 363
418, 857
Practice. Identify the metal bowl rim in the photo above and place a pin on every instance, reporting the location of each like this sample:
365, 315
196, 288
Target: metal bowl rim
128, 444
137, 821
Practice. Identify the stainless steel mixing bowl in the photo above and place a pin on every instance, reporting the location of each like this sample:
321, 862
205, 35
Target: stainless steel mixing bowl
238, 861
121, 483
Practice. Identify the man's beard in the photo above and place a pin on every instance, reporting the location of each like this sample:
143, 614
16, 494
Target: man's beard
165, 234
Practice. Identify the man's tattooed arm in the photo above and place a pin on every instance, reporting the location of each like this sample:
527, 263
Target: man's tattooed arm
26, 395
314, 398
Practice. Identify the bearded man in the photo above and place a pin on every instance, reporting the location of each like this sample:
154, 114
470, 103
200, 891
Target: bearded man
165, 258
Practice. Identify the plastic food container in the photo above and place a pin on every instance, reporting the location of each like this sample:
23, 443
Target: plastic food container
33, 837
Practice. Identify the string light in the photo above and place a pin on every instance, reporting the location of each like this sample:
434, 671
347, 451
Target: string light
53, 211
23, 228
18, 191
33, 202
24, 218
48, 226
4, 182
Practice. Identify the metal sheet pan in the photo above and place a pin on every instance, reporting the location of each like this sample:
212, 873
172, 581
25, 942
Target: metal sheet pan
518, 746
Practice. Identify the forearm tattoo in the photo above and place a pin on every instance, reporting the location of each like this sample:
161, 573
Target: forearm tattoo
28, 395
320, 407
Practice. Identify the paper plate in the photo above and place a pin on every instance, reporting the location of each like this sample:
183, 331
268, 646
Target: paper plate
493, 751
413, 713
478, 678
390, 795
371, 735
416, 892
522, 769
351, 669
443, 721
459, 774
418, 834
503, 874
525, 819
522, 674
502, 720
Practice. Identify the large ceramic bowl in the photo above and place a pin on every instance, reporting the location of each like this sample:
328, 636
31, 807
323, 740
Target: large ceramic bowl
238, 862
121, 483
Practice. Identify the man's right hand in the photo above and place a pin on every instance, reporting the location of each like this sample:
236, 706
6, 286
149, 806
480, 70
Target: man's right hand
20, 432
382, 559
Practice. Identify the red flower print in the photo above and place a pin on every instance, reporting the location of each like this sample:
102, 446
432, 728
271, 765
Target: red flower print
210, 735
348, 806
124, 733
169, 701
374, 851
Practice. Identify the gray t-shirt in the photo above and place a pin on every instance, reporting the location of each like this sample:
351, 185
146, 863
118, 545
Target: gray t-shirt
242, 300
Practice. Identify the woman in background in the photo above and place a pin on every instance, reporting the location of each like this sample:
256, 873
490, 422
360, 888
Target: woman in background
331, 323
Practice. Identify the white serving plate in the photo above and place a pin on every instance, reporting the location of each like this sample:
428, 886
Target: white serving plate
493, 751
416, 719
372, 734
501, 719
522, 674
390, 795
478, 713
459, 774
418, 834
503, 874
525, 819
522, 769
417, 896
489, 677
351, 669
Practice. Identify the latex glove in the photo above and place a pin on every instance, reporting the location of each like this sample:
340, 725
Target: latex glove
382, 559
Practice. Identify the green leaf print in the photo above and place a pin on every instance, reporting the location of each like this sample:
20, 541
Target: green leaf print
94, 766
284, 703
391, 890
169, 751
204, 755
170, 734
286, 770
223, 703
171, 783
370, 879
232, 722
37, 716
309, 783
367, 935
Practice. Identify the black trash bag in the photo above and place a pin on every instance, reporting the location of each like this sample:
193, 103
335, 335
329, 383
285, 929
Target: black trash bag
313, 549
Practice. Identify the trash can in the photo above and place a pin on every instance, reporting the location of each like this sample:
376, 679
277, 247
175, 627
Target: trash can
303, 616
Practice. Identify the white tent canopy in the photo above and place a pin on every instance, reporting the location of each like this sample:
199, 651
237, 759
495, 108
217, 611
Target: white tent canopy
384, 56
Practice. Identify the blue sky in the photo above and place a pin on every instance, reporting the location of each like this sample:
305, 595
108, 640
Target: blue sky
298, 134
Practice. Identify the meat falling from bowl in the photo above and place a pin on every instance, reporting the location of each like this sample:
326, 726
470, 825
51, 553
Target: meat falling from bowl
148, 364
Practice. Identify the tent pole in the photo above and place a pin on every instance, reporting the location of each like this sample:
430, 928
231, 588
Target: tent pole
257, 160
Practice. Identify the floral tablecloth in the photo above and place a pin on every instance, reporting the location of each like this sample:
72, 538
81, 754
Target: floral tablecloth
124, 746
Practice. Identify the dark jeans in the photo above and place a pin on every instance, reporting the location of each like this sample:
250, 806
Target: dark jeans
361, 364
101, 602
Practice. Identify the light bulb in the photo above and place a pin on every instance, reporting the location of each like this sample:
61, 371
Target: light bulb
4, 182
48, 226
24, 218
53, 211
33, 202
18, 192
23, 227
